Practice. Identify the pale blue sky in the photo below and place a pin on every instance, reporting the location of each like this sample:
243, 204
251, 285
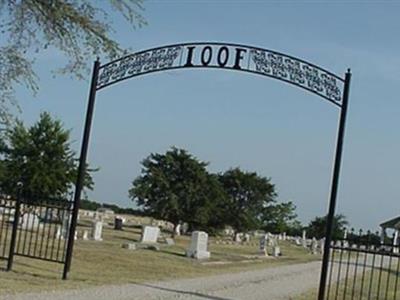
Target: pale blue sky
235, 119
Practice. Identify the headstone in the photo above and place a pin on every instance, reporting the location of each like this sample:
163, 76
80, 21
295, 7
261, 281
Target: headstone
321, 245
284, 236
271, 241
198, 245
238, 237
276, 251
85, 235
118, 223
304, 239
97, 229
30, 221
76, 235
280, 237
129, 246
150, 234
66, 219
314, 246
58, 232
184, 228
263, 245
246, 237
170, 242
178, 230
297, 241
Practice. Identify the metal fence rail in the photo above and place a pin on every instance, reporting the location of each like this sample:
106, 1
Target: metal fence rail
362, 267
44, 228
7, 211
35, 228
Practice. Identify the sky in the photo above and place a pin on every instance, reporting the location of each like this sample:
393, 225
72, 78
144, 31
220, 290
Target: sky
234, 119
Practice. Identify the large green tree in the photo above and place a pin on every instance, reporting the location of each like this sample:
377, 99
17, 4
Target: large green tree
40, 158
280, 217
78, 29
176, 187
248, 196
317, 227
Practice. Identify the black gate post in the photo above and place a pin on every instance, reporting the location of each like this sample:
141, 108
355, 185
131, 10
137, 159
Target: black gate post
14, 231
334, 187
81, 168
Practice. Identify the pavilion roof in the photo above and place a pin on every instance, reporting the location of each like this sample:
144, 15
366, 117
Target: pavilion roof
392, 223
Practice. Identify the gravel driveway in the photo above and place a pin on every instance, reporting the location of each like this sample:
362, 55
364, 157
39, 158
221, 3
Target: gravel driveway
270, 284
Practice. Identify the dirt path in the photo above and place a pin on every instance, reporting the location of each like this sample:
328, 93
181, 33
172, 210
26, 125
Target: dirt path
270, 284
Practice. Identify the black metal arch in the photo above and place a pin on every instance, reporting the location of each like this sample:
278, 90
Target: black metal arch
226, 56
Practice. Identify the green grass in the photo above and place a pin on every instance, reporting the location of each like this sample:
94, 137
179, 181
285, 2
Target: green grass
99, 263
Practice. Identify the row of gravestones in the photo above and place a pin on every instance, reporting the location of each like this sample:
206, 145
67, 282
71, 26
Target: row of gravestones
30, 221
150, 235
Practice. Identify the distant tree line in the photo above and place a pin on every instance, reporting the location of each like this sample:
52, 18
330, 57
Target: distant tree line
92, 205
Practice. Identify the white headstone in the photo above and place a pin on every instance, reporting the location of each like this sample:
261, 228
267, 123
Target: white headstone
30, 221
263, 245
150, 234
97, 229
276, 251
304, 239
129, 246
246, 237
198, 245
284, 236
184, 228
314, 246
58, 232
65, 225
85, 235
238, 237
178, 230
321, 245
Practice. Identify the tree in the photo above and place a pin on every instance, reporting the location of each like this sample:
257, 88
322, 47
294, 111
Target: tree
317, 227
40, 157
280, 217
248, 196
176, 187
79, 29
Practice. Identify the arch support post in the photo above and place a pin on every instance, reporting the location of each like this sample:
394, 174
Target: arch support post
334, 187
81, 168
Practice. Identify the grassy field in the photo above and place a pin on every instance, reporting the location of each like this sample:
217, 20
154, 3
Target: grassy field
106, 262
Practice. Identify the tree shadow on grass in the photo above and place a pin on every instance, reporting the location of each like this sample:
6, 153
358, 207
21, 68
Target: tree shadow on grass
183, 292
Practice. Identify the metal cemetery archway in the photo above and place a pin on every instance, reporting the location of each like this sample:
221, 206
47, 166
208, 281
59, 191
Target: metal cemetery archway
289, 69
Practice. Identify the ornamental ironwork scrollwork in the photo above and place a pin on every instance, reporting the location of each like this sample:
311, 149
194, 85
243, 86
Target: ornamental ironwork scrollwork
225, 56
297, 72
136, 64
